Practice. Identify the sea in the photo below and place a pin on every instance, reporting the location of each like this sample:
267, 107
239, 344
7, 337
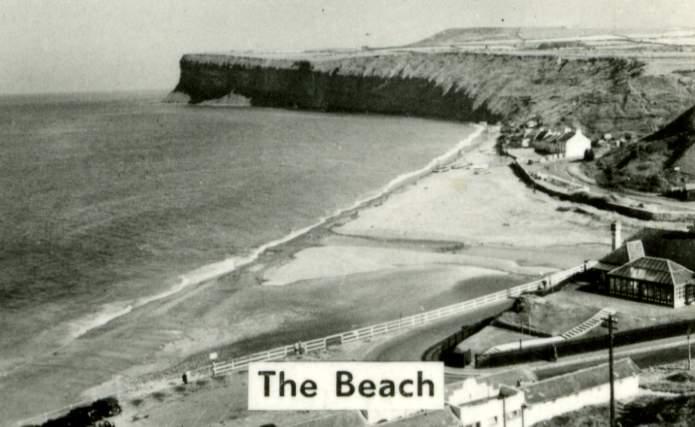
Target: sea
109, 200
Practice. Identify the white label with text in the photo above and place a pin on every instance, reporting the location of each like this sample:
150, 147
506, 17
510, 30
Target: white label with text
345, 385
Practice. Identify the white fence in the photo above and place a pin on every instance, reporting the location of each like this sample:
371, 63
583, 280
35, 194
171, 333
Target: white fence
397, 325
364, 333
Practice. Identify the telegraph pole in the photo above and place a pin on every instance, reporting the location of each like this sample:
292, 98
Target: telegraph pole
610, 323
689, 352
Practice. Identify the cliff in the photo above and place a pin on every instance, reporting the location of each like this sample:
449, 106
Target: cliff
600, 94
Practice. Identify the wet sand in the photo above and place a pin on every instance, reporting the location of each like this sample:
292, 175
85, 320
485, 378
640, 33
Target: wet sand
449, 236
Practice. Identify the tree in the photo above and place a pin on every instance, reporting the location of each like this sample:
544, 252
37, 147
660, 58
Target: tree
589, 155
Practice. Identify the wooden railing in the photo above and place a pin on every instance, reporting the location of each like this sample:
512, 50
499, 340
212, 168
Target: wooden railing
367, 332
409, 322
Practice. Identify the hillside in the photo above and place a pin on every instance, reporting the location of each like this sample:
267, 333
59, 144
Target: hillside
496, 34
655, 163
604, 81
603, 94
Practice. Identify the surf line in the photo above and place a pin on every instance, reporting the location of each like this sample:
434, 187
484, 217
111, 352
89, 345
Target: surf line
215, 270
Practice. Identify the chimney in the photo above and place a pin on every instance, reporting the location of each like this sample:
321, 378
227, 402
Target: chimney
616, 235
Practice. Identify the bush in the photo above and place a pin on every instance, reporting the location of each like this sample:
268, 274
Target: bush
589, 155
88, 416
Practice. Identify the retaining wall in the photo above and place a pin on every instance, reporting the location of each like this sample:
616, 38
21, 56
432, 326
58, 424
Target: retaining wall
570, 347
599, 201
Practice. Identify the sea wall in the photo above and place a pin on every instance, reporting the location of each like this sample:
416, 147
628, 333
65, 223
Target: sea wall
602, 94
600, 201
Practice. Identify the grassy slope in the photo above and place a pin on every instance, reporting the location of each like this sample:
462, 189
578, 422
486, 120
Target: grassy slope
648, 164
645, 411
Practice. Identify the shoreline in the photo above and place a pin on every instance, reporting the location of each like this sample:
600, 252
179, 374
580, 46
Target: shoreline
236, 314
113, 310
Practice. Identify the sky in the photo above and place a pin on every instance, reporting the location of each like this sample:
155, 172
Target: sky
109, 45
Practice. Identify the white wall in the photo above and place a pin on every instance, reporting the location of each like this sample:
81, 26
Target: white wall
577, 145
625, 388
490, 412
469, 390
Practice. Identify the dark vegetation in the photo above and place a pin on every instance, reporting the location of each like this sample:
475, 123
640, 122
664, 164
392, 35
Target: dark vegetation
644, 412
583, 345
92, 415
679, 383
656, 163
561, 45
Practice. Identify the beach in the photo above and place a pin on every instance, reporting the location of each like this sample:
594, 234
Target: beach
443, 236
418, 246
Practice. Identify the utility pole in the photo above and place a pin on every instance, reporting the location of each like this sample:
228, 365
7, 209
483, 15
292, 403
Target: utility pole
610, 323
690, 356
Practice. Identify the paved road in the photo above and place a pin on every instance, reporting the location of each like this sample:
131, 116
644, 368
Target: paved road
411, 346
645, 354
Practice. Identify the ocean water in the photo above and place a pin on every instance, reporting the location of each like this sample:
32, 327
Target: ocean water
108, 198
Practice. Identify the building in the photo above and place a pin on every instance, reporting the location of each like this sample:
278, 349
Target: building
524, 401
515, 398
490, 400
686, 191
572, 391
571, 145
577, 145
650, 279
654, 266
503, 409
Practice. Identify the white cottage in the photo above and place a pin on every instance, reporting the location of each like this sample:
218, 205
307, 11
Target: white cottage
577, 145
486, 402
570, 392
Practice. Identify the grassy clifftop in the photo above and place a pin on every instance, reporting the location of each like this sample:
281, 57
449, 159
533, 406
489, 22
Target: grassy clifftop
601, 94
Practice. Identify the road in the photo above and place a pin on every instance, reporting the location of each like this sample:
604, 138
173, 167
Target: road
411, 346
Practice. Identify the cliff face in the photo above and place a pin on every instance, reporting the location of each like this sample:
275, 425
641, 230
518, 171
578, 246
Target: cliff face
600, 94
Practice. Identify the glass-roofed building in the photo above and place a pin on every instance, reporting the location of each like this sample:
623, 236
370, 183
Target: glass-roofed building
647, 268
649, 279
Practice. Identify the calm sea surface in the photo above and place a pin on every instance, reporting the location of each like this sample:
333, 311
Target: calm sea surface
106, 197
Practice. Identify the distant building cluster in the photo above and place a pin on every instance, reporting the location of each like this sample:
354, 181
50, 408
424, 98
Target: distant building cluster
566, 143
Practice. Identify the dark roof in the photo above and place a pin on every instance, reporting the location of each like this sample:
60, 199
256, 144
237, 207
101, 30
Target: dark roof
655, 270
439, 418
574, 382
566, 136
509, 377
337, 419
678, 246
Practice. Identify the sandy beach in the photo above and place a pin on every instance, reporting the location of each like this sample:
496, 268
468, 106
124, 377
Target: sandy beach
467, 230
